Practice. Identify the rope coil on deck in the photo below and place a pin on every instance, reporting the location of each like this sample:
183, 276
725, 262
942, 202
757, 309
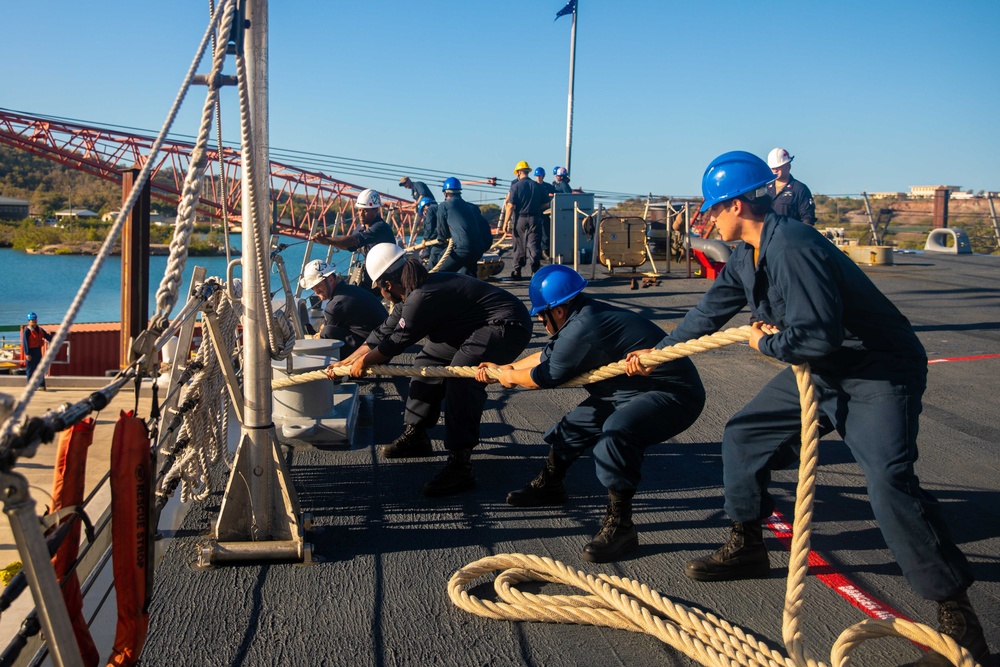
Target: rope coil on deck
621, 603
655, 358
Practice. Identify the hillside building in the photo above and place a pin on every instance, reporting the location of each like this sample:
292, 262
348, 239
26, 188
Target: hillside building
13, 209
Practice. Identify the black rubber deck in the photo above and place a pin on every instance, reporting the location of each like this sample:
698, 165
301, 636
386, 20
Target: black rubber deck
379, 598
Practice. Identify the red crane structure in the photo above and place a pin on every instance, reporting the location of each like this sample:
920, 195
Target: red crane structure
302, 199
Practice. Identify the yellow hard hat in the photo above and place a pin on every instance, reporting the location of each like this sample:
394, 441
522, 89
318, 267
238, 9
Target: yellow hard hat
522, 166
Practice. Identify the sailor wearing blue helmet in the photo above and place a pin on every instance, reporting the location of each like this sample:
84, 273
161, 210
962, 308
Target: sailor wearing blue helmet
620, 418
812, 304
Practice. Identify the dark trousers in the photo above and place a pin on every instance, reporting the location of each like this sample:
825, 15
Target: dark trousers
461, 263
527, 245
464, 399
878, 421
435, 255
31, 363
621, 429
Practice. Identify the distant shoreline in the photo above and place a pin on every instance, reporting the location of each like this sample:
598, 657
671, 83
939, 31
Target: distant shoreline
93, 247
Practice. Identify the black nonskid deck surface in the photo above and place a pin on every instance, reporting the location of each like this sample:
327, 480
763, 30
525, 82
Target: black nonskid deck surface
379, 595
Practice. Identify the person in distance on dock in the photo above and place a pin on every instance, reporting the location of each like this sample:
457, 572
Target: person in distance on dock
466, 321
373, 228
351, 312
418, 189
524, 209
812, 304
32, 339
789, 197
621, 417
463, 223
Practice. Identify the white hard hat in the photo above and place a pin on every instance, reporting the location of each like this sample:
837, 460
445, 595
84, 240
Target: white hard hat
315, 273
778, 157
368, 199
383, 258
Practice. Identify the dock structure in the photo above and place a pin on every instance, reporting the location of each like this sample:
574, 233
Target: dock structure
378, 594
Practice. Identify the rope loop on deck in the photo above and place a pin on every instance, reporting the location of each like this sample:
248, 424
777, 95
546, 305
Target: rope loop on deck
654, 358
625, 604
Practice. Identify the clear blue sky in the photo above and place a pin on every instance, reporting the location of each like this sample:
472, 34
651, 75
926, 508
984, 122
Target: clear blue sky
868, 95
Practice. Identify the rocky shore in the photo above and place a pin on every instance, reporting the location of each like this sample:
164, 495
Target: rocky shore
93, 247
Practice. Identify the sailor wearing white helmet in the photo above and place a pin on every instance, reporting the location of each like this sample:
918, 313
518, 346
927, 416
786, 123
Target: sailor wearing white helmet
373, 229
465, 321
789, 197
351, 312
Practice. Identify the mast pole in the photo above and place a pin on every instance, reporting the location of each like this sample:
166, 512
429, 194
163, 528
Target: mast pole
572, 79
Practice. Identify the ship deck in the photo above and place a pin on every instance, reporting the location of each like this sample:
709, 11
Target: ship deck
378, 596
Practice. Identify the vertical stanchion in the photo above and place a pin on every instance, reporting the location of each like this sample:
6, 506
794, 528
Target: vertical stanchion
993, 215
135, 266
260, 516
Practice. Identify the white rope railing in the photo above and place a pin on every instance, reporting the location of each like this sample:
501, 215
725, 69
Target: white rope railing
105, 251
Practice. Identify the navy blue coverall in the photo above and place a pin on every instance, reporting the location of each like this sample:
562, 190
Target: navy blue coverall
366, 237
419, 189
430, 233
463, 223
870, 372
545, 220
623, 415
563, 187
466, 321
794, 201
350, 315
526, 197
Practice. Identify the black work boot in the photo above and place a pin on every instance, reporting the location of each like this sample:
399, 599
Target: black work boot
414, 442
546, 489
516, 275
617, 536
958, 620
744, 556
455, 477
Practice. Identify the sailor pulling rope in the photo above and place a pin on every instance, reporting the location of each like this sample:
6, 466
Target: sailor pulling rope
624, 604
703, 344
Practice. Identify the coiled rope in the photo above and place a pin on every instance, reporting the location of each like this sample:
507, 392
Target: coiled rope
201, 439
621, 603
654, 358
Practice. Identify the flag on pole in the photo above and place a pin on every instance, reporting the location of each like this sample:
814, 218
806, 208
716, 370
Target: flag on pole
568, 9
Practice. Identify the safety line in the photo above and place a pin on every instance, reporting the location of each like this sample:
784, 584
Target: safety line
949, 359
840, 583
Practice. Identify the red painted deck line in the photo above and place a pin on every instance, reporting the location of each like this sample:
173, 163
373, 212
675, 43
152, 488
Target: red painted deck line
949, 359
826, 573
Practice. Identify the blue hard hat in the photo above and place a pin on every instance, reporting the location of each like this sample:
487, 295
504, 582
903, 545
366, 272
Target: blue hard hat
539, 172
32, 316
451, 183
424, 201
560, 171
553, 285
733, 174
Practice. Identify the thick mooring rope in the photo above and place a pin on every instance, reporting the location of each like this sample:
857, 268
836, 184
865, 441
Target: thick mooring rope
625, 604
173, 275
445, 255
655, 358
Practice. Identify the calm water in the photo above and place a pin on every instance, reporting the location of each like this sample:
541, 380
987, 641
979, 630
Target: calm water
47, 284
